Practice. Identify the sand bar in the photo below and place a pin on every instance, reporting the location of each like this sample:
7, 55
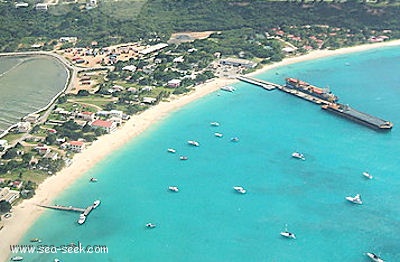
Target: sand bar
26, 213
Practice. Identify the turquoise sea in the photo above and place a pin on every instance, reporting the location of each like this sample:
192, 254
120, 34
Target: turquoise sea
207, 220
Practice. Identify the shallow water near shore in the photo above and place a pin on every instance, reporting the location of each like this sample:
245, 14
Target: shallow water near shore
207, 220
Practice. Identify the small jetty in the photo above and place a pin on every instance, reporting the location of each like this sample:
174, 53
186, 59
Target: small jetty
84, 211
331, 106
258, 82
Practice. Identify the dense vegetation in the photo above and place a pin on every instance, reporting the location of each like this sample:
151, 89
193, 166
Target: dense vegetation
159, 18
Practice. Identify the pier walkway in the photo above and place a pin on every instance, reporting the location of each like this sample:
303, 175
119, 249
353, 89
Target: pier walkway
344, 111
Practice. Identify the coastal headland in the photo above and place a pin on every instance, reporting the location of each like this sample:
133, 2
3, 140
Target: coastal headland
27, 212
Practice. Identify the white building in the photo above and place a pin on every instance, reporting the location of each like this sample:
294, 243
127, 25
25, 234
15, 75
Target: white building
41, 7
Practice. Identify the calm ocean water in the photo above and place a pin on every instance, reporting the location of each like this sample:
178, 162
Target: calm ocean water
27, 84
207, 220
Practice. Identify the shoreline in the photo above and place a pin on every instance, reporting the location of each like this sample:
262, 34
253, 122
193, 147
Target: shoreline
26, 213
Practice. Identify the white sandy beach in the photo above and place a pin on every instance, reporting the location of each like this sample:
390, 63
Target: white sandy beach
26, 213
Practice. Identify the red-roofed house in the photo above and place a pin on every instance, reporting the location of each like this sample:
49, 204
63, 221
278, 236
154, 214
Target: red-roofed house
108, 126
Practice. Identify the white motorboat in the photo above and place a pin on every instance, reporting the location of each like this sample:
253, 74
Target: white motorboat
214, 123
82, 219
173, 188
171, 150
96, 203
228, 88
218, 134
235, 139
356, 199
93, 179
288, 234
57, 260
183, 158
150, 225
298, 155
193, 143
374, 257
367, 175
239, 189
17, 258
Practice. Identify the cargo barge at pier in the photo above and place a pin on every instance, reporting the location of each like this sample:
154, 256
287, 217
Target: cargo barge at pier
357, 116
325, 98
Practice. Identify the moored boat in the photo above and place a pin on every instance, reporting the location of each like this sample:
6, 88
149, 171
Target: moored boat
239, 189
321, 93
235, 139
150, 225
96, 203
228, 88
298, 155
193, 143
374, 257
356, 199
82, 219
93, 179
171, 150
17, 258
218, 134
214, 124
288, 234
183, 158
173, 188
36, 240
367, 175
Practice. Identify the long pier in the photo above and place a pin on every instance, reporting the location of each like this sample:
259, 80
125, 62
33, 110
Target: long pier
84, 211
341, 110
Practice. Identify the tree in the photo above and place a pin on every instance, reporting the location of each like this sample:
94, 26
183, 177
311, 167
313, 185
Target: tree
5, 206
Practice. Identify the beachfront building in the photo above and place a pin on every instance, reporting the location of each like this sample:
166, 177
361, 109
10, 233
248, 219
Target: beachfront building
23, 127
174, 83
108, 126
74, 146
32, 118
87, 116
8, 194
149, 100
3, 143
238, 62
41, 7
152, 49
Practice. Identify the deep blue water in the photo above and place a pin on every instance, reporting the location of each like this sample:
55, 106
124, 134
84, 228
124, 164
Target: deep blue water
207, 220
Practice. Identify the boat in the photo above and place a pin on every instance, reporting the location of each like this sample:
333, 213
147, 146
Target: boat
214, 124
298, 155
150, 225
356, 199
288, 234
183, 158
228, 88
193, 143
36, 240
357, 116
318, 92
17, 258
374, 257
218, 134
82, 219
92, 179
96, 203
367, 175
57, 260
239, 189
235, 139
173, 188
171, 150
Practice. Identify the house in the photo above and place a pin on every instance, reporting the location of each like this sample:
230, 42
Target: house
42, 150
75, 146
8, 195
41, 7
87, 116
116, 113
21, 4
174, 83
3, 143
108, 126
179, 59
238, 62
130, 68
153, 48
68, 39
149, 100
23, 127
32, 118
16, 184
51, 155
